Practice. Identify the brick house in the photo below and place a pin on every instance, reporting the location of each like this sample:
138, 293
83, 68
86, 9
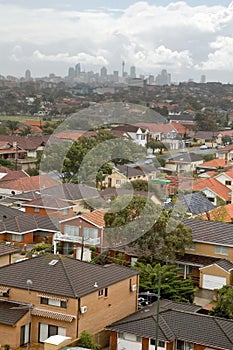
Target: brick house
49, 206
28, 229
64, 296
81, 232
6, 253
180, 327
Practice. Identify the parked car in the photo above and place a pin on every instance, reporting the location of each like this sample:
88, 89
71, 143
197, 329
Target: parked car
203, 147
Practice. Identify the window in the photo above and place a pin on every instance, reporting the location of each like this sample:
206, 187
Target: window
53, 302
221, 250
103, 292
182, 345
17, 238
118, 182
91, 233
143, 137
25, 334
65, 211
71, 230
36, 210
228, 183
47, 330
161, 344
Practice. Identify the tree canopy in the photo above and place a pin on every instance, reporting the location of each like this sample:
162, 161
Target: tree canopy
171, 287
224, 306
153, 232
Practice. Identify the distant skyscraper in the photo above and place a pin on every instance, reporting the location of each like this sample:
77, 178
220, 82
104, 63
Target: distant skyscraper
28, 75
123, 68
103, 72
71, 73
132, 73
77, 70
203, 79
115, 76
164, 78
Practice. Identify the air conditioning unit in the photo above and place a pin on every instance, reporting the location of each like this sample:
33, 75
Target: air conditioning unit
133, 288
83, 309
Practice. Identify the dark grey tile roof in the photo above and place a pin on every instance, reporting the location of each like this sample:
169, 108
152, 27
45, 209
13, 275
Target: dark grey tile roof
48, 202
186, 158
6, 249
178, 323
195, 203
11, 312
28, 223
225, 264
196, 260
71, 191
210, 231
7, 212
76, 278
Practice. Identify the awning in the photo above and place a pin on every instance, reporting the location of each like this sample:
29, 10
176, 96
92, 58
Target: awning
51, 296
52, 314
4, 289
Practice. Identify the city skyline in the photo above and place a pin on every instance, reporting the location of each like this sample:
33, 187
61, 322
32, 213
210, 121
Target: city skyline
188, 40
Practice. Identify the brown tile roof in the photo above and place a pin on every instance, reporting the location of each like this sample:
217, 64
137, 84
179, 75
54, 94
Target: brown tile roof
76, 278
30, 183
26, 142
216, 163
215, 186
12, 174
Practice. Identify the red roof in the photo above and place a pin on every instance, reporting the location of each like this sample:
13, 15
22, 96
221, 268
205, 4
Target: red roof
223, 213
217, 163
96, 217
29, 183
215, 186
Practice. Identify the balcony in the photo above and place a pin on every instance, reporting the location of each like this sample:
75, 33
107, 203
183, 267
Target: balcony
79, 239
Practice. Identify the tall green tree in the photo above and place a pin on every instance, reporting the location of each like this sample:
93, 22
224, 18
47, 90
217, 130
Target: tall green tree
154, 233
171, 287
12, 125
224, 306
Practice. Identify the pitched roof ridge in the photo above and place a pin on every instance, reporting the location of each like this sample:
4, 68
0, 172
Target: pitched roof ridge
216, 319
68, 277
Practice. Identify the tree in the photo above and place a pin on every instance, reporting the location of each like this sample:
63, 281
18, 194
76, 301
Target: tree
171, 287
155, 145
224, 306
153, 232
25, 131
86, 341
12, 125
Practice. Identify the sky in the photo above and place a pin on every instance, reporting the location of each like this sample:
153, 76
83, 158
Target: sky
187, 38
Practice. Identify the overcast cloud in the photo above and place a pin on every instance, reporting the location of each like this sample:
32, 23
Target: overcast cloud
186, 39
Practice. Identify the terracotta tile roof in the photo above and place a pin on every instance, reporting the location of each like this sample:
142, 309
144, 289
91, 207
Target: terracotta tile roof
229, 173
30, 183
216, 163
180, 128
35, 122
95, 217
52, 314
12, 174
215, 186
76, 278
26, 142
157, 128
223, 213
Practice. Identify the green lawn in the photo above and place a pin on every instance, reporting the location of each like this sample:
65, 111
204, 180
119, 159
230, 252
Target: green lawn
19, 118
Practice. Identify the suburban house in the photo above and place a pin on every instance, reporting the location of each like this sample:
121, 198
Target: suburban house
82, 232
11, 151
215, 191
184, 163
6, 254
209, 260
214, 165
226, 178
49, 206
8, 212
125, 173
175, 326
166, 133
28, 229
225, 153
26, 184
7, 174
137, 134
34, 306
78, 194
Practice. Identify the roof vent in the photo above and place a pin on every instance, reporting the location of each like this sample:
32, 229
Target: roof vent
53, 262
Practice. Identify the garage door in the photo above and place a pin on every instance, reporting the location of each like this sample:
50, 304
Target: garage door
213, 282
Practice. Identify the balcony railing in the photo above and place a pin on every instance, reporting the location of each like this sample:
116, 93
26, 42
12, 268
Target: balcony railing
79, 239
